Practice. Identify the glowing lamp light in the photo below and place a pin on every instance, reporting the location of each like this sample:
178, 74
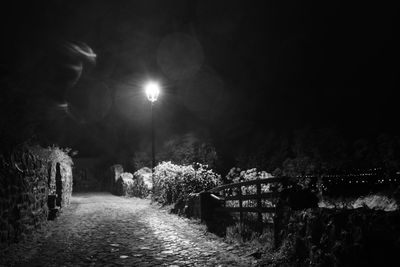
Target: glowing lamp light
152, 91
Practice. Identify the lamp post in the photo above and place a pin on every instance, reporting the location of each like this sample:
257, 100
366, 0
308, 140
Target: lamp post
152, 90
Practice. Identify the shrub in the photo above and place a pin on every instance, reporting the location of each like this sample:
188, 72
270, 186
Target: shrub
127, 176
144, 174
373, 201
131, 185
327, 237
377, 202
236, 175
138, 188
122, 186
172, 182
188, 148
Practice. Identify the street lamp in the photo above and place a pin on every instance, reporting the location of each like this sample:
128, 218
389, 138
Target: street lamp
152, 90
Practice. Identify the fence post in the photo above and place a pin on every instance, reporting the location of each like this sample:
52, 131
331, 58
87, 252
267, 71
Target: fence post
204, 212
278, 222
259, 206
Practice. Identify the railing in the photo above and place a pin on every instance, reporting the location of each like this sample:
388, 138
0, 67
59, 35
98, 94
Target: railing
259, 196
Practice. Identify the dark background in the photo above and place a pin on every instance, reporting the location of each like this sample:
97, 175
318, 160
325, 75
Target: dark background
232, 72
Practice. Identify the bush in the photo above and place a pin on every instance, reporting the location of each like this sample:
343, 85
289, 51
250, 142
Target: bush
138, 187
122, 186
236, 175
328, 237
173, 182
188, 148
144, 174
373, 201
131, 186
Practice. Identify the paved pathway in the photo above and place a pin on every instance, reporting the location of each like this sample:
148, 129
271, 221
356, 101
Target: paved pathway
100, 229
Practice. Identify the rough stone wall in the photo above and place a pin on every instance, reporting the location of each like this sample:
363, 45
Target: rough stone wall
66, 175
27, 177
23, 198
52, 178
66, 178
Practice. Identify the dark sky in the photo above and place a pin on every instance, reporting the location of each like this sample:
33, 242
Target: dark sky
228, 68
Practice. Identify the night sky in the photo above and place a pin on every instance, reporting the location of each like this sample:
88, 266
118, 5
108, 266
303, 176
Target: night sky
229, 69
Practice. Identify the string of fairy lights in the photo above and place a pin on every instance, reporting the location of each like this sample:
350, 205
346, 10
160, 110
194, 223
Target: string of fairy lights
358, 177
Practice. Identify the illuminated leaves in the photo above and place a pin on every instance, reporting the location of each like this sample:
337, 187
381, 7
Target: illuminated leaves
172, 181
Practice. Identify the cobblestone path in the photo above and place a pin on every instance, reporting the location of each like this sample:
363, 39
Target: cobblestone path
100, 229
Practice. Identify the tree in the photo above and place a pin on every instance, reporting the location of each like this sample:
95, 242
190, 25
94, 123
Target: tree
188, 148
264, 151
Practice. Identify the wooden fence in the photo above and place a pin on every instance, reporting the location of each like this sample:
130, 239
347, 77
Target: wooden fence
226, 192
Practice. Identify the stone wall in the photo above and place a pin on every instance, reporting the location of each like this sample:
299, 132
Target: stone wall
60, 180
66, 178
27, 177
23, 197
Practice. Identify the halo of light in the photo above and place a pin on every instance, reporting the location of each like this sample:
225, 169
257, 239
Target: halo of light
152, 90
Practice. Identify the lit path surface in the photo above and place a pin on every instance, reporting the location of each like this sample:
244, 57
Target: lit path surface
99, 229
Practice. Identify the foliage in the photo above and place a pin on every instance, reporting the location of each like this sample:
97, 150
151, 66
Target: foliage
241, 232
127, 176
172, 181
139, 187
131, 186
236, 175
180, 149
53, 154
324, 237
141, 159
265, 151
145, 175
188, 148
319, 152
300, 166
376, 202
382, 151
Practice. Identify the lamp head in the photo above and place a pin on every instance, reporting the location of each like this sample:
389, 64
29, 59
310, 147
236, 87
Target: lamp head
152, 90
